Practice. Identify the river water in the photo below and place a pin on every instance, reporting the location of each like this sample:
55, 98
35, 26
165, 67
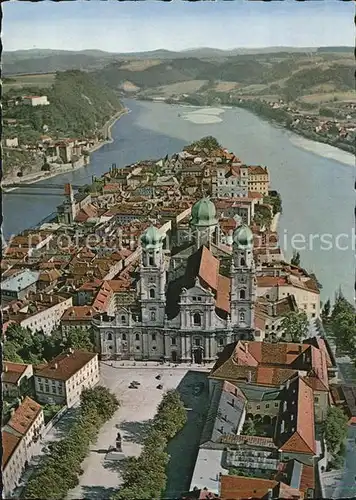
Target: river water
317, 191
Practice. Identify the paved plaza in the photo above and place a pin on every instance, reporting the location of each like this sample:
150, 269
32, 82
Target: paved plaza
137, 406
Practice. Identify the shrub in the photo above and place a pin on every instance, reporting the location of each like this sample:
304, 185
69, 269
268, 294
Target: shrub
59, 472
145, 476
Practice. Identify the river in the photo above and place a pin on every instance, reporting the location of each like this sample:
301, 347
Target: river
317, 191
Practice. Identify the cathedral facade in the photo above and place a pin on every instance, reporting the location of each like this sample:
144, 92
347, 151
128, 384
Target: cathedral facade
188, 306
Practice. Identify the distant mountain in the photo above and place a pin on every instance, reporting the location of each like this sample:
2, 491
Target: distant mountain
48, 61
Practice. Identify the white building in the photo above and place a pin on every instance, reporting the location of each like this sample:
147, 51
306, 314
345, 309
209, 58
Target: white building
62, 380
15, 375
186, 309
19, 437
35, 100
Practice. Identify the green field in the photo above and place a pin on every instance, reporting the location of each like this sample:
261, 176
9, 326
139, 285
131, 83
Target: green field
18, 82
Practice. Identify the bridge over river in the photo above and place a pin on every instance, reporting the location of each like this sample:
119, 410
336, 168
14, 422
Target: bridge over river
35, 188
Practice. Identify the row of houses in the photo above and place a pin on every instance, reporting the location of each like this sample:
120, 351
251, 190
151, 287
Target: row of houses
59, 382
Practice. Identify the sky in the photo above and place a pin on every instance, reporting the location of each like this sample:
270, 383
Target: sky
178, 25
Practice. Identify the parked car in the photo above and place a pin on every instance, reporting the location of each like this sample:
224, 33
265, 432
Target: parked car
133, 386
158, 377
159, 386
134, 382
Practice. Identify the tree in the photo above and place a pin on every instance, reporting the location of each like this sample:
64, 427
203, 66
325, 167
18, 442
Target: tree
79, 338
335, 428
249, 428
100, 398
209, 142
296, 325
295, 260
326, 310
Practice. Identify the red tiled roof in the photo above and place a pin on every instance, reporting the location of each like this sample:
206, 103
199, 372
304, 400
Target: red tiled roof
12, 372
223, 293
78, 313
64, 366
257, 170
209, 268
9, 444
24, 416
303, 439
241, 488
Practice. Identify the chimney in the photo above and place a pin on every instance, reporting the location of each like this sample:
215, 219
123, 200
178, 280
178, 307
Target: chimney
287, 384
6, 369
71, 350
270, 494
55, 366
12, 412
249, 376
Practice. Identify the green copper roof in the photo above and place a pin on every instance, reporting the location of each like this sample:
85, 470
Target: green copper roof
203, 213
151, 238
243, 237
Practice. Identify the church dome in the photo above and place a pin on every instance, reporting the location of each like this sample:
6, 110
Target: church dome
203, 213
151, 238
243, 237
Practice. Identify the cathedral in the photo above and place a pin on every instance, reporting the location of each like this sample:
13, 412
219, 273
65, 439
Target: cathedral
190, 303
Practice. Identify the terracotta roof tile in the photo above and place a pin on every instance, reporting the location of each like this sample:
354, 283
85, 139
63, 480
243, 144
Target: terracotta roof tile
12, 372
241, 488
9, 444
24, 416
64, 366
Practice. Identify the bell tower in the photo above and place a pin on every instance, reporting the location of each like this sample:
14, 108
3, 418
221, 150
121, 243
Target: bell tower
243, 281
152, 278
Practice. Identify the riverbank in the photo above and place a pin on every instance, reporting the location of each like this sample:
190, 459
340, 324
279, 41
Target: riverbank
282, 122
63, 169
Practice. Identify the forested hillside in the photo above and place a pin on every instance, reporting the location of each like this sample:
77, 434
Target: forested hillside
79, 106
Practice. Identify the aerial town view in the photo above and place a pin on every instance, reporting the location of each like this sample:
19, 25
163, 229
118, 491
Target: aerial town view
178, 250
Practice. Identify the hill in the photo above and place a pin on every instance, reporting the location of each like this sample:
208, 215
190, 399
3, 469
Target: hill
79, 106
48, 60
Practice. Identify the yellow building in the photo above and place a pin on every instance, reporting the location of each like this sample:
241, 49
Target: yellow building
258, 179
62, 380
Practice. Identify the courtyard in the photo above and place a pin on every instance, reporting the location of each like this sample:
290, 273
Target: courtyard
101, 477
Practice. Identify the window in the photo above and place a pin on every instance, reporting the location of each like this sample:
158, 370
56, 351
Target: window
124, 336
197, 342
153, 336
258, 407
153, 316
267, 406
316, 399
197, 319
242, 316
199, 299
109, 336
152, 293
242, 262
242, 294
123, 319
137, 336
194, 298
276, 404
221, 341
173, 341
150, 260
154, 348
